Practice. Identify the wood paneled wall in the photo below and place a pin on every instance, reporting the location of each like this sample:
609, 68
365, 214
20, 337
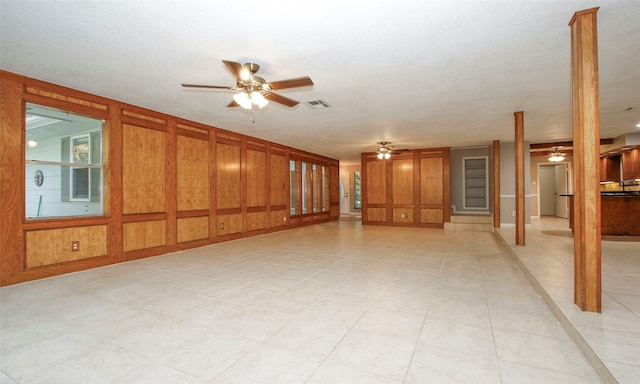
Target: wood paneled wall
279, 179
144, 234
410, 189
192, 173
256, 174
144, 170
51, 246
169, 184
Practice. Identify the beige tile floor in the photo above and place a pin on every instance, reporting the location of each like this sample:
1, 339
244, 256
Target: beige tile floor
611, 337
330, 303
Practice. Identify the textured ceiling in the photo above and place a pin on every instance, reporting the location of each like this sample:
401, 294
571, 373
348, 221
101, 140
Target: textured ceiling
417, 73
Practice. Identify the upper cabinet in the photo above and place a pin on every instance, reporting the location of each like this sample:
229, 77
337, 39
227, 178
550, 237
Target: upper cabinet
610, 168
631, 164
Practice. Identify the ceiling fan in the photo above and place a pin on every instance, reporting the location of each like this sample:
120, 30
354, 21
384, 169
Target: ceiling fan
385, 150
254, 90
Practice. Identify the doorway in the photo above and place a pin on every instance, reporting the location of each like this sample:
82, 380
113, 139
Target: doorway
553, 181
350, 191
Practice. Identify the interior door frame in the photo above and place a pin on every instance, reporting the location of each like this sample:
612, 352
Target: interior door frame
569, 180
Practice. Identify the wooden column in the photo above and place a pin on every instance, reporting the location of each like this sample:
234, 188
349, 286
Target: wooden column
11, 177
496, 183
586, 152
519, 149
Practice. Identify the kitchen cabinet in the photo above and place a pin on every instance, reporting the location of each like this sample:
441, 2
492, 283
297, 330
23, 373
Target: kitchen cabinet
620, 214
610, 168
631, 164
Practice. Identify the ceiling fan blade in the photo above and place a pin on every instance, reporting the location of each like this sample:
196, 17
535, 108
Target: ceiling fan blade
281, 99
235, 68
233, 104
291, 83
206, 86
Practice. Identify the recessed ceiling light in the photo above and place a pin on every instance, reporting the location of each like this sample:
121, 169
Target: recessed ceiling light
638, 125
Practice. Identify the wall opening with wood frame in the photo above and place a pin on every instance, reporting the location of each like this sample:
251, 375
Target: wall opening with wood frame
167, 184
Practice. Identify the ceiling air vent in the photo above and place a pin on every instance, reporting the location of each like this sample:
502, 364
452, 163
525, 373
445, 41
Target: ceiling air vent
318, 104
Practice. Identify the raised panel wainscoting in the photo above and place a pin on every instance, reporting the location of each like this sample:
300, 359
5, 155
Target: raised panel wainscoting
409, 189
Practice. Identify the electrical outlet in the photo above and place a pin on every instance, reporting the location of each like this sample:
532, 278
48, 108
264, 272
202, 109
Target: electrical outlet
513, 213
75, 246
221, 225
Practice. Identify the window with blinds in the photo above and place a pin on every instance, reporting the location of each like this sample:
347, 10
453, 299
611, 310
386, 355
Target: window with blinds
80, 181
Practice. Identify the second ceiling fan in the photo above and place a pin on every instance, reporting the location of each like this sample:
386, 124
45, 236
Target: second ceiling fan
253, 89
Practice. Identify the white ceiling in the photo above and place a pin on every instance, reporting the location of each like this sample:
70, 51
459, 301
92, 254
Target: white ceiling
417, 73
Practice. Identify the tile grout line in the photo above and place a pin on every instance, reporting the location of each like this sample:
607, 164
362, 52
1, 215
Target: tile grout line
424, 318
493, 334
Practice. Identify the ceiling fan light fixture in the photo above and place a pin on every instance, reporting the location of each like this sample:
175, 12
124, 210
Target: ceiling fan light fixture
384, 152
258, 99
556, 155
245, 74
556, 158
243, 99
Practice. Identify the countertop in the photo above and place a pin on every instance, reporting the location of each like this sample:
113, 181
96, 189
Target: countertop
625, 194
615, 193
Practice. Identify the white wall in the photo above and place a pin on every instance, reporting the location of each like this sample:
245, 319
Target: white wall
508, 183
